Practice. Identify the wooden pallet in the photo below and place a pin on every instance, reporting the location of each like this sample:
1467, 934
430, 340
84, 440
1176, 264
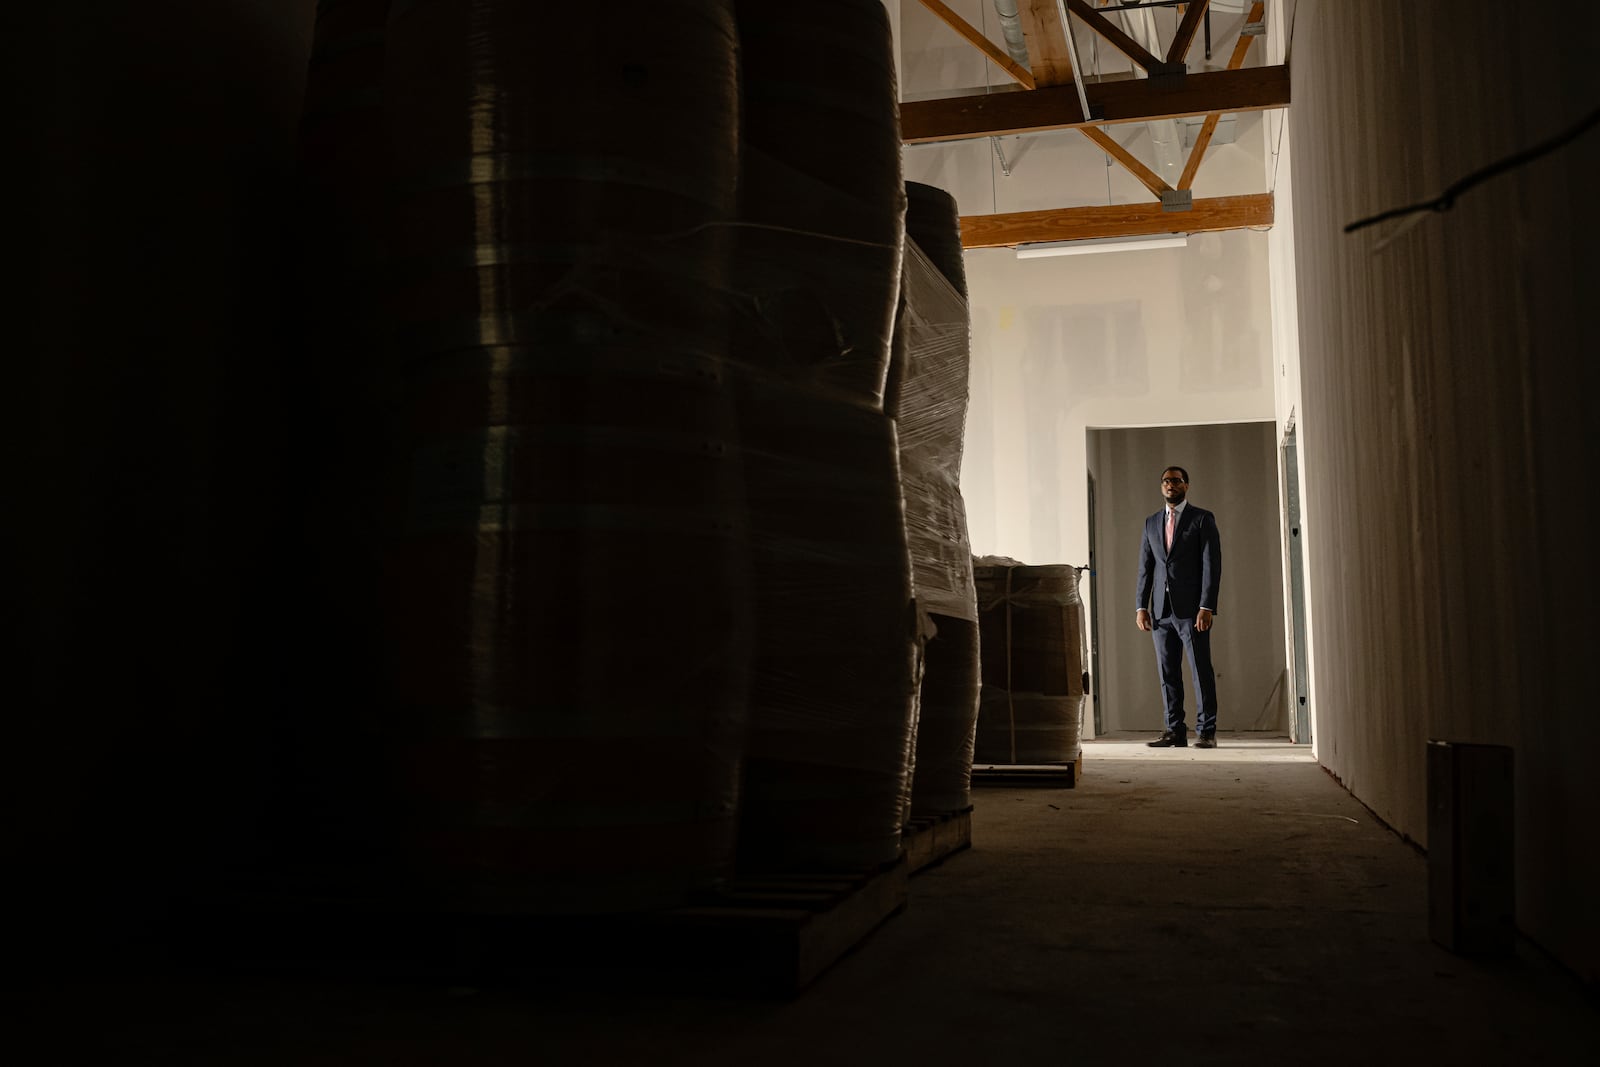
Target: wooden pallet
771, 935
1059, 775
781, 932
927, 839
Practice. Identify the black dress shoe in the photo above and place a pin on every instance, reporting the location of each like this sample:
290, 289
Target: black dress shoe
1205, 741
1169, 740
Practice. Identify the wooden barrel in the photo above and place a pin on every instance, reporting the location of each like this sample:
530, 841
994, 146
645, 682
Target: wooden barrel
1032, 637
818, 248
821, 202
947, 718
933, 221
932, 251
566, 609
835, 635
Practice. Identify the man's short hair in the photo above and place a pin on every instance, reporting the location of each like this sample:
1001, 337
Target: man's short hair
1180, 470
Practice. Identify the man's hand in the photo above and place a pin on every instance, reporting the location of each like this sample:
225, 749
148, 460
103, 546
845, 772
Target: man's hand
1143, 619
1202, 621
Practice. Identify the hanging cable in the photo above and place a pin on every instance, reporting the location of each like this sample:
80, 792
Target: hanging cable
1447, 199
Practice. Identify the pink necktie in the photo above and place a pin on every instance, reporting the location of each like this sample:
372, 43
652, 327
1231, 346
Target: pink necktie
1172, 522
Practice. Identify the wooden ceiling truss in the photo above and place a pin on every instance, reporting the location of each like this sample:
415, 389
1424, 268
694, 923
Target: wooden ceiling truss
1055, 97
1252, 210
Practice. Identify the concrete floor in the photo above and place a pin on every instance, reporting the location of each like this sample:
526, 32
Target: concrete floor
1231, 906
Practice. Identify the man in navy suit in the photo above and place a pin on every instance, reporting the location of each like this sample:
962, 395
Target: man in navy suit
1180, 564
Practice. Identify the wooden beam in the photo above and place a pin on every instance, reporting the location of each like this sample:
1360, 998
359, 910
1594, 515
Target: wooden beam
1147, 177
1048, 55
1114, 220
1209, 127
1057, 108
1202, 141
1113, 34
1186, 31
988, 47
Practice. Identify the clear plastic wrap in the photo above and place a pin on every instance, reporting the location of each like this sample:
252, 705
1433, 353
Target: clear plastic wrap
818, 245
928, 397
834, 671
930, 406
818, 274
933, 221
821, 198
1033, 653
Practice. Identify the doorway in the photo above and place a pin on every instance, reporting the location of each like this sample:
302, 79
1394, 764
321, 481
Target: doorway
1233, 469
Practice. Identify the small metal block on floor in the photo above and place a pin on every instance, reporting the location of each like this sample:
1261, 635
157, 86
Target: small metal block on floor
1059, 775
927, 839
1472, 894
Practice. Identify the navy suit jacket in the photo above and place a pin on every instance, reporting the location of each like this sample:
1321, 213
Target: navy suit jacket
1191, 574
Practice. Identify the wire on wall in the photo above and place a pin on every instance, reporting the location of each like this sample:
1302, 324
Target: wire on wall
1447, 199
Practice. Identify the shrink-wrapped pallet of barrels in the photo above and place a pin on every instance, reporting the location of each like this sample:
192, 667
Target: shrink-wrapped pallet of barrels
927, 396
817, 255
630, 608
1033, 648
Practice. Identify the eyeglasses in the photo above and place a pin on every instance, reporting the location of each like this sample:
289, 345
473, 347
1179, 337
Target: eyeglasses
1172, 481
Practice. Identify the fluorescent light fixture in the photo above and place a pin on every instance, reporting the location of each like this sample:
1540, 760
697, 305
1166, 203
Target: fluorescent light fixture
1105, 244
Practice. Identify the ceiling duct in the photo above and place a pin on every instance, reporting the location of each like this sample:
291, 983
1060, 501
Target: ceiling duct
1011, 30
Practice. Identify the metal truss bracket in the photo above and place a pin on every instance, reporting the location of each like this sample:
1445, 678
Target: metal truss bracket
1177, 200
1167, 75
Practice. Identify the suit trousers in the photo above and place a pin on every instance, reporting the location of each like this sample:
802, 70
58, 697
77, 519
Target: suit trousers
1174, 637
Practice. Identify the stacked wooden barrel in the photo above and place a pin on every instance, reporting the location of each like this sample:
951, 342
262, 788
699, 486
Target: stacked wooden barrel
933, 224
566, 608
1031, 625
928, 398
819, 244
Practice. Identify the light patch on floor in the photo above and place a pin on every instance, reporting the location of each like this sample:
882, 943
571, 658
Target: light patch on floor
1232, 747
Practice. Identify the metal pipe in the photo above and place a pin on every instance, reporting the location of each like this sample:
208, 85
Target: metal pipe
1011, 30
